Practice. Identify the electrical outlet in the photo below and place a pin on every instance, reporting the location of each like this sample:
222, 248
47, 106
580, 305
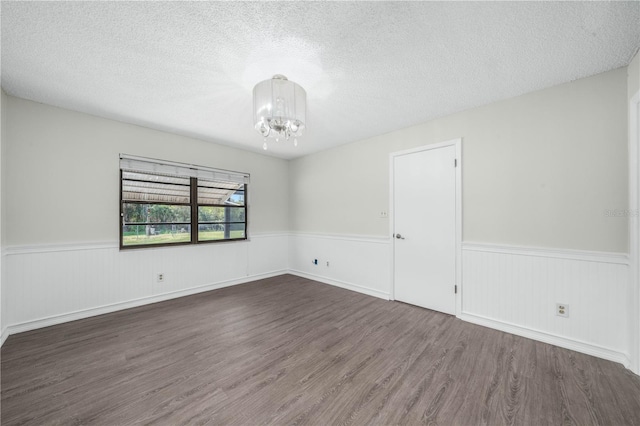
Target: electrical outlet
327, 263
384, 214
562, 310
160, 277
314, 261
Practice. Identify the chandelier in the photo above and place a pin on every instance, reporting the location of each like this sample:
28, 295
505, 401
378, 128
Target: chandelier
279, 109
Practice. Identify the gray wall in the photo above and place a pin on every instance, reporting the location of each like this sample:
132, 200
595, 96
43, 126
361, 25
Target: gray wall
539, 170
64, 174
633, 74
3, 128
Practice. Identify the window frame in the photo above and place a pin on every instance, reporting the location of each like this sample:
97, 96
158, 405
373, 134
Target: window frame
194, 223
227, 222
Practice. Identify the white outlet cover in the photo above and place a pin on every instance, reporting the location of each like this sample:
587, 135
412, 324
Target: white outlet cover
562, 310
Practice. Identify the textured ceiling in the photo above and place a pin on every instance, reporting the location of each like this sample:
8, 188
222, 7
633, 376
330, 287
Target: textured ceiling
368, 67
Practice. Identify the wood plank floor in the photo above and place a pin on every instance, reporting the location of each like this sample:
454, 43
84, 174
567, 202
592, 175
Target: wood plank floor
287, 350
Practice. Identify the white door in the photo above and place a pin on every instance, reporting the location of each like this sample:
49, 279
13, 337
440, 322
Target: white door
424, 206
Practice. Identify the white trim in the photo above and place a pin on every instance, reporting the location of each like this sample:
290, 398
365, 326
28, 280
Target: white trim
634, 229
341, 284
457, 144
459, 281
4, 335
392, 230
49, 248
87, 313
269, 235
590, 256
552, 339
102, 245
251, 237
376, 239
427, 147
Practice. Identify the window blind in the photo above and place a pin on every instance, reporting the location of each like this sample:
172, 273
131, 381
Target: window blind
148, 165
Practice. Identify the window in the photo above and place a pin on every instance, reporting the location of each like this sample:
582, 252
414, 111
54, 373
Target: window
163, 203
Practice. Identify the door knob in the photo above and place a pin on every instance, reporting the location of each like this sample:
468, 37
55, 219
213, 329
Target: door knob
400, 237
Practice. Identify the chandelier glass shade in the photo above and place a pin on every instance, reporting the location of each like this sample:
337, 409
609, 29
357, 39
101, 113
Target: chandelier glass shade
280, 109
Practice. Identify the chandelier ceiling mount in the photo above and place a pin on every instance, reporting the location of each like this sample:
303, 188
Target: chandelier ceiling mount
279, 109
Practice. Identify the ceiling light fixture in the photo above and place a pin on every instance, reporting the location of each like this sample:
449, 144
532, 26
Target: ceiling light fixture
279, 109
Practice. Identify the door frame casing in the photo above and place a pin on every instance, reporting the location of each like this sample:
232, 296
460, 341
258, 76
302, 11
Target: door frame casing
457, 143
634, 234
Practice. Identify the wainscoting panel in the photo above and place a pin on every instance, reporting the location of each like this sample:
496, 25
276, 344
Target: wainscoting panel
52, 284
268, 253
360, 264
517, 289
513, 289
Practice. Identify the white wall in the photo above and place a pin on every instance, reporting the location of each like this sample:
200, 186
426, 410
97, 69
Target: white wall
62, 207
356, 263
539, 173
57, 283
516, 290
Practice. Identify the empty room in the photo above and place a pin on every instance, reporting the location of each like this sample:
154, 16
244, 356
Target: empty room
324, 213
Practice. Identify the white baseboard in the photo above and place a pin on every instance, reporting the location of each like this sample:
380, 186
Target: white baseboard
3, 336
87, 313
551, 339
342, 284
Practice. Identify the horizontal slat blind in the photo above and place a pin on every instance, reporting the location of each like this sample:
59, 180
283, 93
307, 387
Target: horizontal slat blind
138, 186
218, 193
167, 168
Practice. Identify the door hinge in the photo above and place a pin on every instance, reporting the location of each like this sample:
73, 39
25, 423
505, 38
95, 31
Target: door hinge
455, 162
455, 289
